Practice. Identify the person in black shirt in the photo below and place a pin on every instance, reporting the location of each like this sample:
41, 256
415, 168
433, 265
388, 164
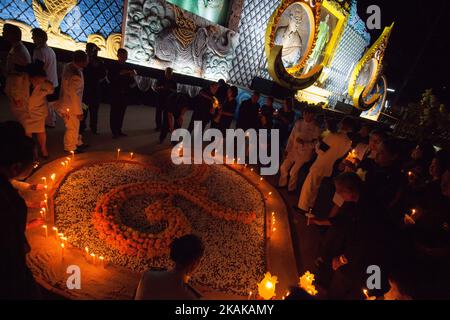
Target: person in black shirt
222, 92
355, 240
248, 113
267, 112
17, 155
121, 77
94, 74
204, 106
164, 87
284, 120
225, 114
173, 115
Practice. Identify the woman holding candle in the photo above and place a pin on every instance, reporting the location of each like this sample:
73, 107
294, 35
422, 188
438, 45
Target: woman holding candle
17, 154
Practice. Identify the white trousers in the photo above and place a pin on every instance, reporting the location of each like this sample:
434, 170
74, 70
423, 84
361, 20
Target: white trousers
71, 137
310, 190
290, 168
51, 117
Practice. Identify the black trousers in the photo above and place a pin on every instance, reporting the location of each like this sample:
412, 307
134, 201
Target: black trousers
160, 106
116, 117
165, 127
93, 118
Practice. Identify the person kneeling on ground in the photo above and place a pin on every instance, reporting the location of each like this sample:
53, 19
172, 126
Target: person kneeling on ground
186, 252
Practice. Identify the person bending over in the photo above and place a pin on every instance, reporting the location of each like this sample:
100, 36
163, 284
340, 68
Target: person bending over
186, 253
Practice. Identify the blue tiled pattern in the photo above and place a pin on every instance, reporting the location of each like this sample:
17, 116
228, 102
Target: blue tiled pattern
19, 10
90, 16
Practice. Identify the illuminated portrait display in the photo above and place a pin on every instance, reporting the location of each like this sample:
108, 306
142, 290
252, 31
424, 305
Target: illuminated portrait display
374, 113
293, 34
367, 73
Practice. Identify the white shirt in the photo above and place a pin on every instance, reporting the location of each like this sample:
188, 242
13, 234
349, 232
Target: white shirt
18, 55
340, 144
72, 88
163, 285
48, 56
303, 135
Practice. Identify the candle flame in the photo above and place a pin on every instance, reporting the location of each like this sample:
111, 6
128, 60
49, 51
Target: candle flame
55, 228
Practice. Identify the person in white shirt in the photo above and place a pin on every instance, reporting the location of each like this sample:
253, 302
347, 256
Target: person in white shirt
300, 149
46, 54
17, 60
31, 89
333, 147
18, 55
70, 105
186, 252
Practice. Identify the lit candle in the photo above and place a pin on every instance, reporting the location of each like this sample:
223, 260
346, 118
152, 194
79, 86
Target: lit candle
366, 294
73, 155
53, 177
46, 204
266, 288
118, 154
56, 231
131, 155
270, 193
46, 230
413, 213
67, 110
44, 213
93, 258
261, 179
250, 295
102, 261
63, 164
66, 164
45, 180
62, 250
307, 283
86, 251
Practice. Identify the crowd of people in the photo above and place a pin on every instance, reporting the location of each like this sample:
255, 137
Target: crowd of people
390, 205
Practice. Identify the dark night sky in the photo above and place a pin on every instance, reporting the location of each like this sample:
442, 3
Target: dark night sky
419, 51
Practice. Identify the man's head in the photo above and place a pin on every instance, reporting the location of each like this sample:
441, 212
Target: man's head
122, 55
364, 132
349, 186
309, 114
80, 58
168, 73
12, 33
439, 165
232, 93
376, 138
269, 101
445, 183
348, 124
213, 88
39, 36
221, 83
92, 49
296, 18
388, 153
255, 97
186, 252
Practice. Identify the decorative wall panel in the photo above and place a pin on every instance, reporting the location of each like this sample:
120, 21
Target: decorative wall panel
159, 34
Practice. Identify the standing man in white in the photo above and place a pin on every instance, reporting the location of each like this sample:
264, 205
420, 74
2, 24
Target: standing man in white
70, 105
16, 79
46, 54
333, 147
300, 149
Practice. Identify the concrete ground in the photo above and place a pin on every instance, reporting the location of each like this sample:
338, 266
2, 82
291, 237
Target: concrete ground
142, 138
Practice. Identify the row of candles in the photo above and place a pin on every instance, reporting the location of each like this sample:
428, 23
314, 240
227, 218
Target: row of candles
91, 257
118, 154
267, 287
